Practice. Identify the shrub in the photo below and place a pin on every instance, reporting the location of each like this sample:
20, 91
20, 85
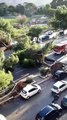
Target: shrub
44, 70
29, 80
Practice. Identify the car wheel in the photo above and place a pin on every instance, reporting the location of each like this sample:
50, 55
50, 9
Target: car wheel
60, 114
39, 91
28, 97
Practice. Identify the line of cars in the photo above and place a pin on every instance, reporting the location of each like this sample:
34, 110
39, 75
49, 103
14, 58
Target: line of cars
60, 86
51, 111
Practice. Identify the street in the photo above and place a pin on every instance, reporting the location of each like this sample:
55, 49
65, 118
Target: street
20, 109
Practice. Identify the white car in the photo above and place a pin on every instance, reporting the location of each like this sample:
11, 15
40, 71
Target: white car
59, 86
30, 90
2, 117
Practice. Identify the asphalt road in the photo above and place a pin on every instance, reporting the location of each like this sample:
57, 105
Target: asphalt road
20, 109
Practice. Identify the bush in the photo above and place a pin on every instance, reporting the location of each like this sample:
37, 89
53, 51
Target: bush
29, 80
44, 70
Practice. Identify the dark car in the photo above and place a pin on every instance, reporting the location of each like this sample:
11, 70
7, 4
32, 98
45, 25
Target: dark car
50, 112
64, 101
60, 74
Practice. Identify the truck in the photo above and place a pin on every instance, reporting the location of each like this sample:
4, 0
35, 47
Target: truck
61, 47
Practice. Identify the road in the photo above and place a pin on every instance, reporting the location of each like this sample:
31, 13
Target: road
20, 109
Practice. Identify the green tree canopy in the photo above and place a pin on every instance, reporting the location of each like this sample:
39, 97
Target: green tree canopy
5, 25
5, 38
60, 19
5, 79
2, 58
11, 9
11, 61
34, 31
30, 9
3, 9
19, 9
56, 3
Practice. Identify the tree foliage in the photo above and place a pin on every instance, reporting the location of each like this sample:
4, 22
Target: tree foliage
60, 19
19, 9
3, 9
23, 43
34, 32
10, 62
56, 3
5, 79
28, 9
2, 58
21, 19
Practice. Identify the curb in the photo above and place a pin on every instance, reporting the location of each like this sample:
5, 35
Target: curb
45, 79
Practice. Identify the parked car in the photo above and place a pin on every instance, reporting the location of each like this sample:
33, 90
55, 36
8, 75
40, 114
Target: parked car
50, 112
30, 90
46, 37
64, 101
59, 86
2, 117
60, 74
60, 47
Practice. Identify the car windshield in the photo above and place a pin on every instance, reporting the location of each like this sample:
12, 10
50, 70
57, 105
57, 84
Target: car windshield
56, 74
55, 87
53, 106
65, 99
34, 85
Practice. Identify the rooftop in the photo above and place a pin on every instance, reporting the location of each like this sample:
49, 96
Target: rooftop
58, 84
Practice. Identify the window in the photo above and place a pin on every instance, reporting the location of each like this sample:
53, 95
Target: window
32, 89
62, 85
55, 87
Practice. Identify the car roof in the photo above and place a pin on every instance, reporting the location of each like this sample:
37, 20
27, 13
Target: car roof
28, 87
46, 110
61, 43
59, 83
